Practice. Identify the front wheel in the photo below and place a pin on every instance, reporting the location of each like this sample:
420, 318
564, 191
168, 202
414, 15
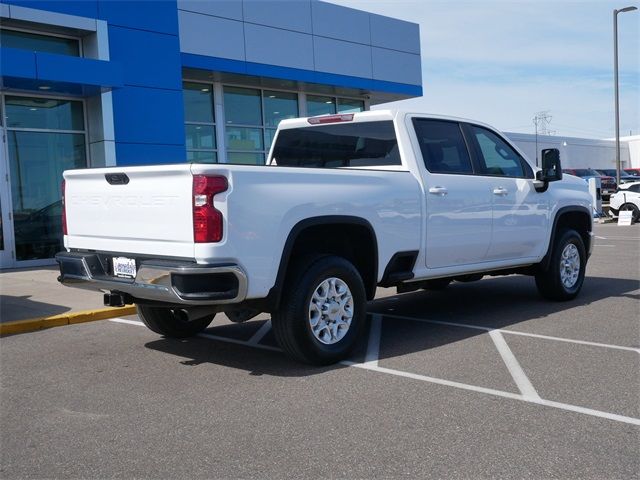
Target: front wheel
167, 322
565, 275
322, 312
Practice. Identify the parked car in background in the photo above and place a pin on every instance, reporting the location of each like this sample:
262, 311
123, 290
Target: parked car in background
608, 184
627, 198
624, 176
635, 172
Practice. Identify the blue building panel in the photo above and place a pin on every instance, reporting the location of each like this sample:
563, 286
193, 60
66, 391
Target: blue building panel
129, 154
341, 23
344, 58
393, 66
395, 34
152, 15
283, 14
17, 63
149, 59
76, 70
275, 46
81, 8
211, 36
219, 8
148, 115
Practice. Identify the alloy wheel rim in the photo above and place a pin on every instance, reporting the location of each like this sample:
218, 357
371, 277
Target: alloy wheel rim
330, 311
569, 265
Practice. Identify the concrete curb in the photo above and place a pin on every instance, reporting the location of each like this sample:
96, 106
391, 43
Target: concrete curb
71, 318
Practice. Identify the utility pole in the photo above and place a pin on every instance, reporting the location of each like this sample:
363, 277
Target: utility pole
541, 120
615, 80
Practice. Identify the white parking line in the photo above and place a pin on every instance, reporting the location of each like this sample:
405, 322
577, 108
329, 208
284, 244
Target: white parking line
439, 381
373, 346
516, 371
499, 393
513, 332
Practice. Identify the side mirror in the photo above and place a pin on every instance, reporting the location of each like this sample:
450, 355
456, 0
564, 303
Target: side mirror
551, 168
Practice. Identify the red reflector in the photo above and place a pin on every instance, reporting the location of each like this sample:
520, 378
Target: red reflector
64, 209
346, 117
207, 220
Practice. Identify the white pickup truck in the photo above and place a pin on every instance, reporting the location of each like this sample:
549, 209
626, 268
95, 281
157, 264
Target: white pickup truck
345, 203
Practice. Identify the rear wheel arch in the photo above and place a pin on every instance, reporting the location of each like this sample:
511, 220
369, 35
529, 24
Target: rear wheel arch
355, 240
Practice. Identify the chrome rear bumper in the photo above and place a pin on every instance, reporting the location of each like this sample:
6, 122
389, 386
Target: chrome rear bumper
173, 282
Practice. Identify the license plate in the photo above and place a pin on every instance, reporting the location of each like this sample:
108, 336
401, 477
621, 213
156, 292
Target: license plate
124, 267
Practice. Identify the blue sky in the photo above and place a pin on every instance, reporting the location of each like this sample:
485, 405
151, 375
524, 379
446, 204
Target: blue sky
502, 61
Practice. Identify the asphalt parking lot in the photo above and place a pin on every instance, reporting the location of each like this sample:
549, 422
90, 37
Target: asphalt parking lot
480, 380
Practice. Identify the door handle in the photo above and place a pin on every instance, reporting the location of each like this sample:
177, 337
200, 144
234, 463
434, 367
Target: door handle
500, 191
441, 191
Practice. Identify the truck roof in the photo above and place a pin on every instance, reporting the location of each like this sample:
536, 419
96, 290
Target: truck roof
377, 115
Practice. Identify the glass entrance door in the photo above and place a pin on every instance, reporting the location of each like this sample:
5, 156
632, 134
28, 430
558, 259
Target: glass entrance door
6, 235
45, 136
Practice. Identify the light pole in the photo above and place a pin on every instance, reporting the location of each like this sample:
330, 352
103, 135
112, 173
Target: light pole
615, 79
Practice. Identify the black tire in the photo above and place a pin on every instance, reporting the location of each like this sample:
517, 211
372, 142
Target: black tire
291, 323
165, 322
549, 282
635, 211
436, 284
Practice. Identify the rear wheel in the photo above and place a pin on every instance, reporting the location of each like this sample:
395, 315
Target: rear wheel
166, 322
565, 275
322, 311
635, 211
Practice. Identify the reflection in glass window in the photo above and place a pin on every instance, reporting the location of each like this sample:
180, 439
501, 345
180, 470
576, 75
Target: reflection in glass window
200, 129
346, 105
198, 102
497, 158
36, 162
243, 138
242, 106
44, 113
245, 158
442, 145
317, 105
39, 43
279, 106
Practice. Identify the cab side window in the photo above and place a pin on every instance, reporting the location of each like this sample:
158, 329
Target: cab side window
442, 145
496, 157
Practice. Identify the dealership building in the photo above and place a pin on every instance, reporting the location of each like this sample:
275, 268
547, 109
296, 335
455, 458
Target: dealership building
93, 83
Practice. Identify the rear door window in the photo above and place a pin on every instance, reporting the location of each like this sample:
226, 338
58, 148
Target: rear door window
362, 144
443, 146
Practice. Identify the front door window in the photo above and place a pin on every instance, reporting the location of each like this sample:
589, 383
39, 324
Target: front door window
44, 138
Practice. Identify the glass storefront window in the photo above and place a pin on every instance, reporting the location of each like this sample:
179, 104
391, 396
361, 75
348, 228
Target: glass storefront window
202, 156
43, 113
279, 106
200, 129
320, 105
39, 43
346, 105
246, 158
242, 106
243, 138
198, 103
36, 162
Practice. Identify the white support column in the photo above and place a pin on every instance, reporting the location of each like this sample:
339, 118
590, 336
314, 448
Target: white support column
302, 104
218, 103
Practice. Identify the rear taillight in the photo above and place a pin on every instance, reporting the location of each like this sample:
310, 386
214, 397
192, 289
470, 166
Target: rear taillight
64, 210
207, 220
345, 117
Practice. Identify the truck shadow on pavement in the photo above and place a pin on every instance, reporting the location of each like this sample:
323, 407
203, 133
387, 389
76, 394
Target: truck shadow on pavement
23, 307
491, 303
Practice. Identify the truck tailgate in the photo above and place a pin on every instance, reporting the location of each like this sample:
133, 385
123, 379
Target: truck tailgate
143, 210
